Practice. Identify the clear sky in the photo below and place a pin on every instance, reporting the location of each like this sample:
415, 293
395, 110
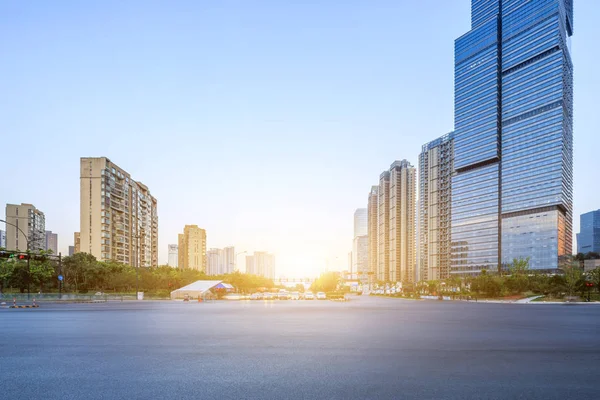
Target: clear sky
265, 122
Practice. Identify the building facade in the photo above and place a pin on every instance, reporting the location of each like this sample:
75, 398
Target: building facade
588, 238
119, 219
76, 242
25, 219
383, 228
512, 191
360, 222
359, 257
71, 251
51, 242
261, 264
173, 256
192, 248
402, 224
372, 221
2, 239
221, 261
435, 175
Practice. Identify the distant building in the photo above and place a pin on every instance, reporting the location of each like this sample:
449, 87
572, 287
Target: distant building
372, 221
77, 243
588, 238
192, 248
435, 177
261, 264
118, 215
2, 238
173, 260
402, 236
71, 251
221, 261
360, 222
51, 242
383, 228
229, 262
25, 219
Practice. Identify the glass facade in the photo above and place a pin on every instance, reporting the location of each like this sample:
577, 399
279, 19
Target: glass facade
588, 239
512, 189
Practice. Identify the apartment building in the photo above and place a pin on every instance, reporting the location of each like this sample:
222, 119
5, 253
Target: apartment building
192, 248
25, 228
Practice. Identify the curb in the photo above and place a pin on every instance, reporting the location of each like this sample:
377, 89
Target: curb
36, 306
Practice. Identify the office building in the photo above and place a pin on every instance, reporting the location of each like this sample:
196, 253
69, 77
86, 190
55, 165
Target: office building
76, 242
71, 250
360, 222
119, 219
512, 190
221, 261
402, 225
173, 256
588, 238
2, 239
25, 219
192, 248
435, 175
383, 228
372, 220
51, 242
261, 264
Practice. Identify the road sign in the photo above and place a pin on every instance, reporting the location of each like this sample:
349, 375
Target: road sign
60, 278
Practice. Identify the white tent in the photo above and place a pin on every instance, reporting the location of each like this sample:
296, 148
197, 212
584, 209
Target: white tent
193, 290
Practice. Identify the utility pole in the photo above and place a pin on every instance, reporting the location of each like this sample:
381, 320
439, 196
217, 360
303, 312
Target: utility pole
60, 282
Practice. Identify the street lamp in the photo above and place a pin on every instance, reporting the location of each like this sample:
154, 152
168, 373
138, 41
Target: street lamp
28, 264
137, 266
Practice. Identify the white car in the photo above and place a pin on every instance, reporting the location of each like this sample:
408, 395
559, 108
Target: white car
295, 296
321, 296
309, 296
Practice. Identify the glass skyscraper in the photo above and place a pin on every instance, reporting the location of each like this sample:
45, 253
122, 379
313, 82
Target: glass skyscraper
512, 187
588, 238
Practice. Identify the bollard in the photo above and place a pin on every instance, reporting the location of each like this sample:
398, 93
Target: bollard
199, 299
34, 301
14, 302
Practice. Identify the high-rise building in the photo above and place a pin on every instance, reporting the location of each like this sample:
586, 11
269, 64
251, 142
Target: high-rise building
51, 242
360, 222
512, 191
261, 264
220, 261
588, 238
173, 258
372, 219
359, 257
25, 219
71, 251
119, 219
2, 239
435, 174
76, 242
383, 228
192, 248
402, 236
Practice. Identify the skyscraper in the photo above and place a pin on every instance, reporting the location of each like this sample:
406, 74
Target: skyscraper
220, 261
372, 220
51, 242
192, 248
2, 239
402, 213
173, 256
71, 251
383, 228
588, 238
25, 219
76, 242
118, 215
359, 257
513, 143
435, 174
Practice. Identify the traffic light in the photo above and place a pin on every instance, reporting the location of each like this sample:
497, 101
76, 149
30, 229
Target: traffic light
23, 257
6, 254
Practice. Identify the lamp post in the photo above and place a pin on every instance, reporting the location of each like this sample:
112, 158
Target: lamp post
137, 266
28, 263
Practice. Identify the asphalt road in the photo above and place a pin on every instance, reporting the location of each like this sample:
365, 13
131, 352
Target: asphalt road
369, 348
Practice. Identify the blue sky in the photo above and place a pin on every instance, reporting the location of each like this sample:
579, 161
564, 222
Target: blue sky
265, 122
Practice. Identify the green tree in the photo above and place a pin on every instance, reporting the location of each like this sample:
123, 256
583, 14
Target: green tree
327, 282
594, 277
77, 269
573, 278
7, 268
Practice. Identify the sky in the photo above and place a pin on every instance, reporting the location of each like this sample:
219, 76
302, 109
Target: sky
265, 122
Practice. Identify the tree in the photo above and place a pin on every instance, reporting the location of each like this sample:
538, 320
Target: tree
573, 278
7, 268
76, 268
327, 282
594, 277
